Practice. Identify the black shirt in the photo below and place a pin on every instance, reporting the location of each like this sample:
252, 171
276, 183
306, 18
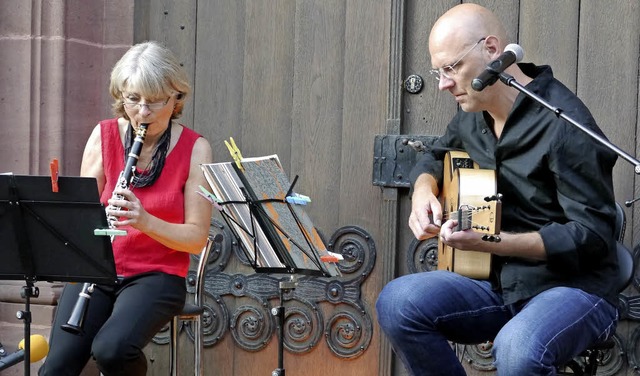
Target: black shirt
555, 179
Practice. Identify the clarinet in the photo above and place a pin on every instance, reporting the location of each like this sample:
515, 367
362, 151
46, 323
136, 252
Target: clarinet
75, 324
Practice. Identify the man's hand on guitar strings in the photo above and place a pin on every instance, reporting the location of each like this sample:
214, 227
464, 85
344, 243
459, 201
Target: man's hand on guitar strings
468, 240
424, 226
426, 215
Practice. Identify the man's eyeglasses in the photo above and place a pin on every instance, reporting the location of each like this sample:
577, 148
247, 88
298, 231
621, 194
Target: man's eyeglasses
154, 106
448, 71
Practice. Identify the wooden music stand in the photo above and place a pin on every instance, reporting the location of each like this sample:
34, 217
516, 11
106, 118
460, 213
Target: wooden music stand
275, 234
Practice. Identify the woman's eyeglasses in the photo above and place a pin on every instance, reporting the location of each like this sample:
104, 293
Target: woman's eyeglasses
154, 106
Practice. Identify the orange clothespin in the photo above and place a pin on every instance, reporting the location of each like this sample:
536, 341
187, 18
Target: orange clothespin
332, 257
53, 166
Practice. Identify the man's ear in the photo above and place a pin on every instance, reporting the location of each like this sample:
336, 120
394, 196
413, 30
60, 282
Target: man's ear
492, 47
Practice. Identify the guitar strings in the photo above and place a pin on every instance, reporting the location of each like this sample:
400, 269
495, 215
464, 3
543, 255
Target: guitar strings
466, 216
454, 214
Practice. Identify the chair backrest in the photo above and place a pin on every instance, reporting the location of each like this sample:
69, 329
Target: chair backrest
625, 265
625, 258
621, 223
202, 264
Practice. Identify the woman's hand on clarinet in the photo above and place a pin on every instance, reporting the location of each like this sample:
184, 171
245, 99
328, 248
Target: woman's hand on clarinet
128, 209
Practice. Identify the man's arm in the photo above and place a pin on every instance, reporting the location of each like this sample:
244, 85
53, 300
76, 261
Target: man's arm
525, 245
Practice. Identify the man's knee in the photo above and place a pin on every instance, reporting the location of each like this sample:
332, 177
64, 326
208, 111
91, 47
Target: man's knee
396, 306
519, 356
383, 306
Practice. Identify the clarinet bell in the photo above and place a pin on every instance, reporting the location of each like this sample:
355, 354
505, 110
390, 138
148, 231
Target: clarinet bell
75, 324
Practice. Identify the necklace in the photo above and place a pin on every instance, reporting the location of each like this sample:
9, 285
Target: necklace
152, 172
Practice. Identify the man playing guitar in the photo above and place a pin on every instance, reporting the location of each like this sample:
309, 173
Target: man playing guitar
551, 292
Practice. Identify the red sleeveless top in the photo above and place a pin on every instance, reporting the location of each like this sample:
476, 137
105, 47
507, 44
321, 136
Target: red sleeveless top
136, 252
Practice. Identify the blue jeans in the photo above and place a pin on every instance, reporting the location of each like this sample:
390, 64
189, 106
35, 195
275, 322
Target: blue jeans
420, 313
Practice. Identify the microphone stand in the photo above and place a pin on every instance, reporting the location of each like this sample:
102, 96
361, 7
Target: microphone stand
510, 81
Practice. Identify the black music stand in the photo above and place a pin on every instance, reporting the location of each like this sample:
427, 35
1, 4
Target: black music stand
48, 236
263, 220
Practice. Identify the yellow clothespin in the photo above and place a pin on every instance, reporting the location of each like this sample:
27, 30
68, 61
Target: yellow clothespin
235, 152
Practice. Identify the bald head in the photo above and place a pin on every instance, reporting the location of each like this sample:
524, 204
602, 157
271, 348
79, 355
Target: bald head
464, 24
463, 41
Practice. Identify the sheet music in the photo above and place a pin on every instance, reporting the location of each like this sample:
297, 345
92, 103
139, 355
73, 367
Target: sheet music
226, 184
290, 223
278, 224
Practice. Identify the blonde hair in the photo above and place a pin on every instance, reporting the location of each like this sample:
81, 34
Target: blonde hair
152, 71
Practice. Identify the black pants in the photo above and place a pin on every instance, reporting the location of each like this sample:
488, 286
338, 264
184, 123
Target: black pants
119, 322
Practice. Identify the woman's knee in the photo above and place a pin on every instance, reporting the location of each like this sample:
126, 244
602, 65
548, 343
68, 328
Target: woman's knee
112, 354
107, 353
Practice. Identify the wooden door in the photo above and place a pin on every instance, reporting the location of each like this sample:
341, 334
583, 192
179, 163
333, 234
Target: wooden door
306, 80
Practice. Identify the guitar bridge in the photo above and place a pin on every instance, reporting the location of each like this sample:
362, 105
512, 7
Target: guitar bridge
465, 217
466, 214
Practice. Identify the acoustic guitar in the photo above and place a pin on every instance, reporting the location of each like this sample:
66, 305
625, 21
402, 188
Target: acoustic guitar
469, 195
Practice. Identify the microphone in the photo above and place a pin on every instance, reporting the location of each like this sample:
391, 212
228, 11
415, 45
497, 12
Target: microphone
513, 53
39, 348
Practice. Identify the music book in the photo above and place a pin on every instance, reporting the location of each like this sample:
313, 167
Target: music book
276, 235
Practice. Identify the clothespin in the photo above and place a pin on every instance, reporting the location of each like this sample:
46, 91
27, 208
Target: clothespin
298, 199
331, 257
53, 167
213, 200
109, 232
235, 152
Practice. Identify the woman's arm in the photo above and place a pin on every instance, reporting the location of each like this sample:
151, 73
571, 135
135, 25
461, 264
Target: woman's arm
189, 236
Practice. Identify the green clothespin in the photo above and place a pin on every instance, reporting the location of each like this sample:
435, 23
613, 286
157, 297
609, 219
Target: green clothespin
213, 200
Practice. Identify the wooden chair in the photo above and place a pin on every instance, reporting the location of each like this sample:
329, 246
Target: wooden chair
192, 311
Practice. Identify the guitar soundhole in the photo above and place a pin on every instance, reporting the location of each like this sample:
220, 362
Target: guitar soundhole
463, 162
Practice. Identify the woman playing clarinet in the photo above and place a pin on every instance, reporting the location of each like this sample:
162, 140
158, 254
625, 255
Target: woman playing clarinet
159, 208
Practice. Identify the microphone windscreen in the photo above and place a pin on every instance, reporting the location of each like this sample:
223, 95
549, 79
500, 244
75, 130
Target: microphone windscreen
517, 50
38, 345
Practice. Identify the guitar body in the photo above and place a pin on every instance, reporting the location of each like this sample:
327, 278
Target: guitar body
465, 190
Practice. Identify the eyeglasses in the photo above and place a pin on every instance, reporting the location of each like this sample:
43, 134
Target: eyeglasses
130, 105
448, 71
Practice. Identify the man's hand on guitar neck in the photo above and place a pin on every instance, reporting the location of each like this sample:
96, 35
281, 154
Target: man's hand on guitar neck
426, 212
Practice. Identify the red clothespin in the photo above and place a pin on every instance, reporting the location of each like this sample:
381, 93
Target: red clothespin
53, 166
332, 257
